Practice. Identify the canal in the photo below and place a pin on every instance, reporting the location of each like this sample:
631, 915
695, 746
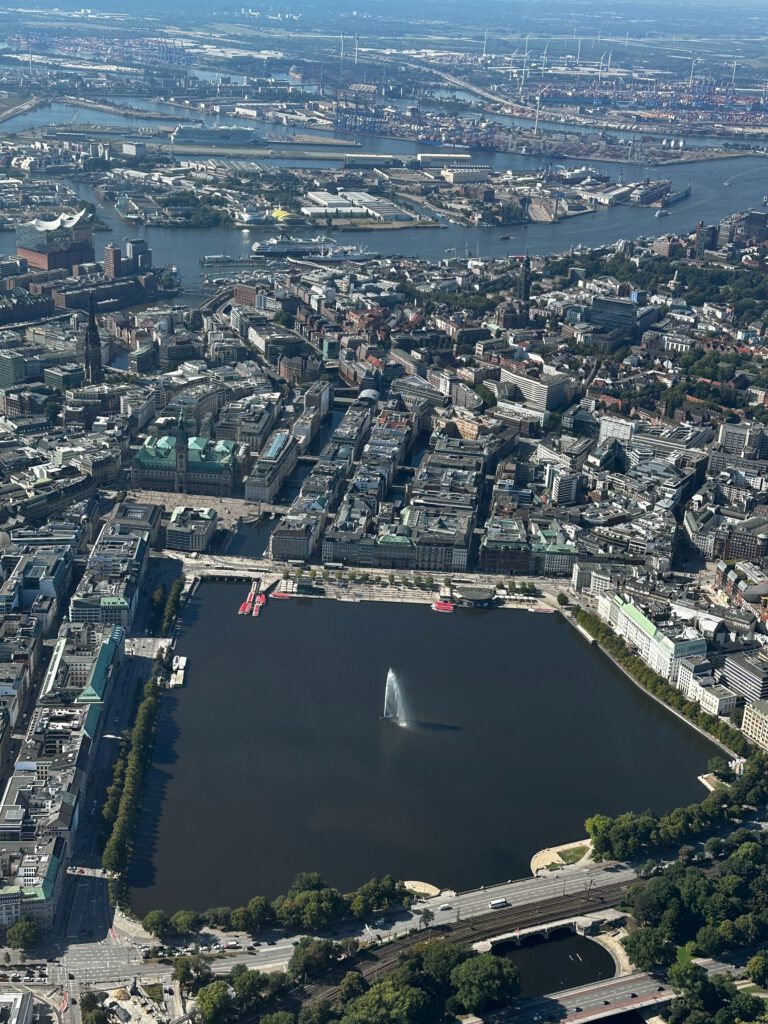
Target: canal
274, 758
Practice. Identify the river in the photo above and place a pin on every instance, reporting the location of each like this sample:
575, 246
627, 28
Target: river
711, 200
275, 759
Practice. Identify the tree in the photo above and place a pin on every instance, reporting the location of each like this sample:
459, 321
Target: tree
217, 917
185, 922
97, 1016
427, 917
353, 984
562, 599
249, 987
191, 972
157, 923
279, 1017
485, 981
23, 934
648, 949
312, 957
88, 1001
214, 1003
757, 969
320, 1012
260, 913
440, 958
387, 1003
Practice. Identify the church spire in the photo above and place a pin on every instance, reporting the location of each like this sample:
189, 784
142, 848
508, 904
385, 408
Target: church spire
93, 370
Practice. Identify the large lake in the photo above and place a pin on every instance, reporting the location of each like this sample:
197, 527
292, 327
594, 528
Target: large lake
274, 758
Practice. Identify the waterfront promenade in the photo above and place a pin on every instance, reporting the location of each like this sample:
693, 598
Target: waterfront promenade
340, 584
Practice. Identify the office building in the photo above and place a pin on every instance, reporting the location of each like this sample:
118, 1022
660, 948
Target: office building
755, 723
190, 529
747, 674
275, 464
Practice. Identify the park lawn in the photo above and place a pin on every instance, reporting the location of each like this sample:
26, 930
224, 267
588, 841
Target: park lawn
573, 855
155, 992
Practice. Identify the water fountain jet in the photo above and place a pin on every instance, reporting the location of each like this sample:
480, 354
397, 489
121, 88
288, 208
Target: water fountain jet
395, 709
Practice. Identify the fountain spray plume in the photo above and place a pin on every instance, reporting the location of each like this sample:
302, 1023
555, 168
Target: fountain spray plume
394, 702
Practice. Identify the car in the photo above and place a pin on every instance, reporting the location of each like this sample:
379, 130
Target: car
633, 995
659, 988
445, 906
606, 1002
577, 1009
71, 976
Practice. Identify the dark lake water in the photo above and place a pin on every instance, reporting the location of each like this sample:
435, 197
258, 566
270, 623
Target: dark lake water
274, 758
558, 963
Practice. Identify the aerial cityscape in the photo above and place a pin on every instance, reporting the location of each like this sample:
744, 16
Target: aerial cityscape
384, 520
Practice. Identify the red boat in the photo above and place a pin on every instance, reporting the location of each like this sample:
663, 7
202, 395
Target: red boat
256, 610
442, 606
243, 606
261, 600
280, 595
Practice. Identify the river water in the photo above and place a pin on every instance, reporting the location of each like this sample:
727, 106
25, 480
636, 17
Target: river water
711, 200
274, 758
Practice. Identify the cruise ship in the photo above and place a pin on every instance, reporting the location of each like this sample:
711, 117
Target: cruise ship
224, 135
321, 249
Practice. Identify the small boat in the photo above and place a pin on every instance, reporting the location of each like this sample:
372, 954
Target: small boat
281, 595
505, 238
765, 200
248, 606
727, 184
261, 600
662, 213
243, 607
442, 606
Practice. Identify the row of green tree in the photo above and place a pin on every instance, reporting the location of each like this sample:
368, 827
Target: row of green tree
171, 609
632, 835
658, 686
709, 998
121, 809
310, 904
714, 907
430, 983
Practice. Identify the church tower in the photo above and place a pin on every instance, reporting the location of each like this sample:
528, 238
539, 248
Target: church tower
94, 373
182, 454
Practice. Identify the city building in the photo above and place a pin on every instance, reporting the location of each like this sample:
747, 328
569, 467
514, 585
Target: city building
273, 466
62, 243
755, 723
190, 529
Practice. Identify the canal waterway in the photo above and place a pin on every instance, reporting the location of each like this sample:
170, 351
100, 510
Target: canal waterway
274, 758
557, 963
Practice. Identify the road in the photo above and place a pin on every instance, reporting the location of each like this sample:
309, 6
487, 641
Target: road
590, 1002
98, 953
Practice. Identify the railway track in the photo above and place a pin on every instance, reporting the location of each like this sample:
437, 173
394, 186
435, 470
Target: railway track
372, 964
